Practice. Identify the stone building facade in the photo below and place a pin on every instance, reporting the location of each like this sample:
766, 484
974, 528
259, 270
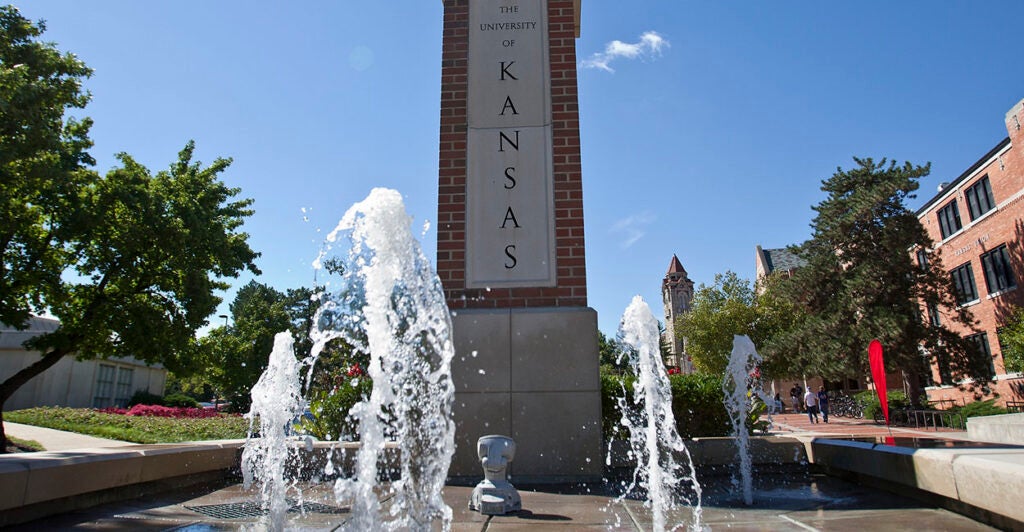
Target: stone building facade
977, 222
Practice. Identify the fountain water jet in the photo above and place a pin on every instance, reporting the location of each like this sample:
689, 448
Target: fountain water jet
400, 309
737, 387
276, 402
654, 440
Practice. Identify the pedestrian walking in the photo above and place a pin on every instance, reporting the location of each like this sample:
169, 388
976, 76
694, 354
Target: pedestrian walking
823, 403
811, 402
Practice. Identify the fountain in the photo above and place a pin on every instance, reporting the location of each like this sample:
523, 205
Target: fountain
392, 297
737, 387
654, 440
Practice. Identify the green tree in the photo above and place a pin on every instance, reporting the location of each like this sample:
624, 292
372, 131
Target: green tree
860, 282
717, 313
43, 162
128, 262
236, 355
609, 349
1012, 339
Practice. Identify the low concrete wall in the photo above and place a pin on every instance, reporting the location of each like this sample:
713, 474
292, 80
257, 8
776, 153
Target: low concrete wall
1007, 428
34, 485
988, 479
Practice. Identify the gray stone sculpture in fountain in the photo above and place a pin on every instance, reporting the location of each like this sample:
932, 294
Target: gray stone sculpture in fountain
495, 495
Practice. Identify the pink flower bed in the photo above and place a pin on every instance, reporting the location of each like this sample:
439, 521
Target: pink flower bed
161, 411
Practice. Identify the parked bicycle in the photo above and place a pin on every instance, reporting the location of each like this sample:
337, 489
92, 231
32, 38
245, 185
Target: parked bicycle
843, 405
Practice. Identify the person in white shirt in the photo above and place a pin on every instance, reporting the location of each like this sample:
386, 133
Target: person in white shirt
811, 402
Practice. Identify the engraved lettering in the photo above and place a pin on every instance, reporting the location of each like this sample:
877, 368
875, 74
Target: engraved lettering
510, 176
508, 105
502, 138
505, 72
509, 215
508, 253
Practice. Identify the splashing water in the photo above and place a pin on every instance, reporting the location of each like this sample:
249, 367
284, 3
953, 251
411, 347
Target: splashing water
654, 440
402, 320
276, 401
738, 386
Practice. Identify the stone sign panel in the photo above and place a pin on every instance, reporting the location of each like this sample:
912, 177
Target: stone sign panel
509, 190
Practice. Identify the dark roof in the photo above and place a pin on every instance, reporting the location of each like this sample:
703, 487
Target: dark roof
782, 260
675, 266
967, 173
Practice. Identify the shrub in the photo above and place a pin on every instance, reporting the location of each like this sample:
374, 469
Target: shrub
161, 411
868, 401
696, 404
180, 400
980, 408
329, 408
143, 397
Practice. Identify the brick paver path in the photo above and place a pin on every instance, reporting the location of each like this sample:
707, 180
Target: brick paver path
845, 427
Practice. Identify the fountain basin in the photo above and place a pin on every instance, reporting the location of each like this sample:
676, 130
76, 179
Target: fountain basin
979, 480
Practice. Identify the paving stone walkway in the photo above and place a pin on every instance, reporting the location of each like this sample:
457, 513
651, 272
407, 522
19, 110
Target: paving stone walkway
840, 427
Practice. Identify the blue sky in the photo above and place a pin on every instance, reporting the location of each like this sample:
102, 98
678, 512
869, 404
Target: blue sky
706, 130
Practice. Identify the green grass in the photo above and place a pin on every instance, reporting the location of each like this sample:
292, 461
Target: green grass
25, 445
138, 429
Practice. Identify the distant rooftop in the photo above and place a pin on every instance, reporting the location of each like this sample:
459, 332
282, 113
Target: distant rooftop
11, 338
675, 266
782, 260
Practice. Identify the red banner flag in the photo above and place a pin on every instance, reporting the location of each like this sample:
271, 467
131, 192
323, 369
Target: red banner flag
878, 375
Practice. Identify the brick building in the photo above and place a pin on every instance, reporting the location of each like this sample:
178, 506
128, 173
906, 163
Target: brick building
977, 222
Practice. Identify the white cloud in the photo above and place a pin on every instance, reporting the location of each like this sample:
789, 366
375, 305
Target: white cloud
651, 44
632, 228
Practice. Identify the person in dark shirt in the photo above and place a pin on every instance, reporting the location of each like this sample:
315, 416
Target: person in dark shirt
823, 403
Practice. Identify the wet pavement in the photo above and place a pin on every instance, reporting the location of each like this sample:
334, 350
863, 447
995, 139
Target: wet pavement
793, 500
800, 501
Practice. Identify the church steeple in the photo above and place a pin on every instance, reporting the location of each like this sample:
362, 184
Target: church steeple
676, 294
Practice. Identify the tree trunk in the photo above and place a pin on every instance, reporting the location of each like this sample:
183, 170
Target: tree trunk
914, 388
11, 385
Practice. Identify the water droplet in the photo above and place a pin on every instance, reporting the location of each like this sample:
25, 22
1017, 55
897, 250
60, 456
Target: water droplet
474, 353
482, 372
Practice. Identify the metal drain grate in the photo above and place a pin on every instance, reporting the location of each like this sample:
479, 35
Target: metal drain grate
317, 508
234, 510
248, 510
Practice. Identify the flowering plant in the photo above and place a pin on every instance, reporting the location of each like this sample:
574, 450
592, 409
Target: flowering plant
161, 411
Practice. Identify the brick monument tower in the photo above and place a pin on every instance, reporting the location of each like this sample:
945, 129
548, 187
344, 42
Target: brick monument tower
510, 248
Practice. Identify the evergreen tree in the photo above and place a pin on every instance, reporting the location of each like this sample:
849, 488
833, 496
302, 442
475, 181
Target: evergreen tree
861, 282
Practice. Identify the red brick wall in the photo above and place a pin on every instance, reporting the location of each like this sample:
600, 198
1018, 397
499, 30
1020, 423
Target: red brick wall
1004, 225
571, 288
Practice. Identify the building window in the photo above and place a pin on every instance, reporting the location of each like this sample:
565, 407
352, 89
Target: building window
123, 392
945, 375
933, 315
104, 394
922, 259
998, 274
979, 198
980, 343
927, 379
963, 282
949, 219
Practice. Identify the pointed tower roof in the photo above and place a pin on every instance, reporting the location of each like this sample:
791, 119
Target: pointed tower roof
675, 266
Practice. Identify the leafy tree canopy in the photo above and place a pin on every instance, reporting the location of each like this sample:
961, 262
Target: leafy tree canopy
717, 313
128, 262
1012, 338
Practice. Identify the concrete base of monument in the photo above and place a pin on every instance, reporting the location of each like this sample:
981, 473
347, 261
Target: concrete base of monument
531, 374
